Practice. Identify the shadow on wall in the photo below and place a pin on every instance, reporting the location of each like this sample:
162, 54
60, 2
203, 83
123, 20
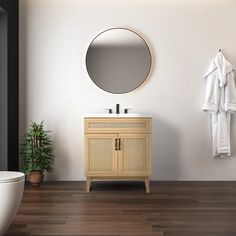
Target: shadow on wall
166, 151
61, 157
233, 135
23, 86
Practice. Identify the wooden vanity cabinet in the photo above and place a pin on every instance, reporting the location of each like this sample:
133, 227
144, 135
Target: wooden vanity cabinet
117, 149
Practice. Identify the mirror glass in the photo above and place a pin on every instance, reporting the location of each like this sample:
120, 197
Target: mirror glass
118, 60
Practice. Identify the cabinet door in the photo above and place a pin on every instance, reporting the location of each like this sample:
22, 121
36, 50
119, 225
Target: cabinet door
100, 155
133, 154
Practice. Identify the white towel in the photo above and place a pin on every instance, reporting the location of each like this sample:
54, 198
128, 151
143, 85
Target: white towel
220, 128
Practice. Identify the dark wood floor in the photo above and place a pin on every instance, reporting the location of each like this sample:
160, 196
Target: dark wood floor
171, 209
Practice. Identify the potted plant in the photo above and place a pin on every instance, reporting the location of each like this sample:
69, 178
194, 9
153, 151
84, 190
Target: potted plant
36, 151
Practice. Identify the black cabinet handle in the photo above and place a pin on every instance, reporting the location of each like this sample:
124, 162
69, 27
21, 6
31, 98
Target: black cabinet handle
119, 143
116, 148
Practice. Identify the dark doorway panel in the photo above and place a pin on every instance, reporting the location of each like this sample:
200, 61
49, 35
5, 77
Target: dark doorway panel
9, 85
3, 89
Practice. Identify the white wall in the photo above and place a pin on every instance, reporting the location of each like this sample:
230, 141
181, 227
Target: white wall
183, 35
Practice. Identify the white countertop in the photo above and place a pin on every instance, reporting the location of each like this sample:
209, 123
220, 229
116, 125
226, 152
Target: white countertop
113, 115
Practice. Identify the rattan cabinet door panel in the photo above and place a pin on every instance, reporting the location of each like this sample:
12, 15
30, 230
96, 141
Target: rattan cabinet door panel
100, 153
133, 154
117, 125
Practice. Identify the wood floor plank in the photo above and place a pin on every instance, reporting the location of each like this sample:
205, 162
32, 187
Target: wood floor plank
124, 209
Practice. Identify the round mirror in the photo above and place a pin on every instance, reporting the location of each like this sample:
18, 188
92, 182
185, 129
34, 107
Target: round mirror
118, 60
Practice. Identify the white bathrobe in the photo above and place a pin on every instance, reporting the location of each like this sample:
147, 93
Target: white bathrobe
220, 101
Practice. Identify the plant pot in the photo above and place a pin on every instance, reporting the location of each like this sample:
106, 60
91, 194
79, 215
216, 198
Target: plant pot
35, 178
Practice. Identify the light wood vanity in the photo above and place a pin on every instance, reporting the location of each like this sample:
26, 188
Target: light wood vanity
117, 148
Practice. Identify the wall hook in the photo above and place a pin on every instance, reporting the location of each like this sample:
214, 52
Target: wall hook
220, 50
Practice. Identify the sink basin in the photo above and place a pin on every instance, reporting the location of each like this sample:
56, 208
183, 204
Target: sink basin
116, 115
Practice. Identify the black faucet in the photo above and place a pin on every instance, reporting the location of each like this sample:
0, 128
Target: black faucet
126, 110
117, 108
109, 110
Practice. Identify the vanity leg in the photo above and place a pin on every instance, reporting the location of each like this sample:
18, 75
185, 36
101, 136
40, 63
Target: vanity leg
147, 184
88, 184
